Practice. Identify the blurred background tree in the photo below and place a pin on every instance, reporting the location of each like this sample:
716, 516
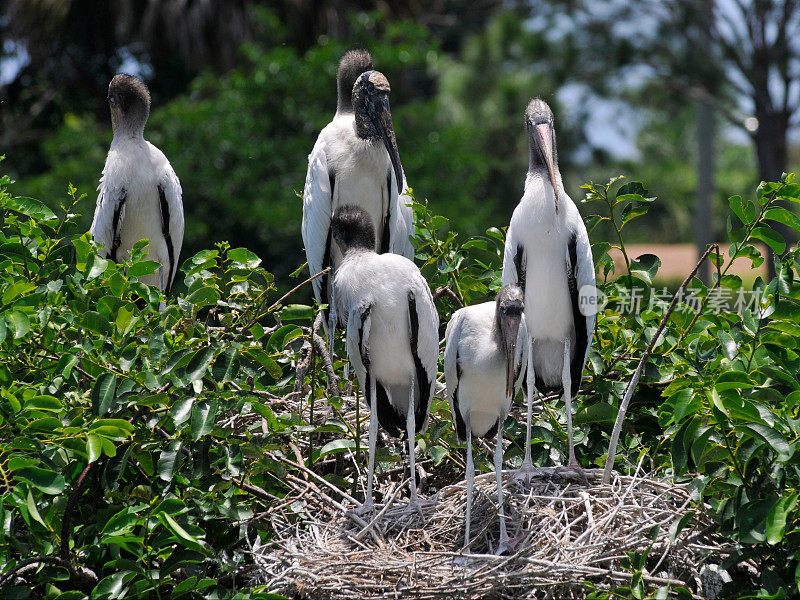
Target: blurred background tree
241, 88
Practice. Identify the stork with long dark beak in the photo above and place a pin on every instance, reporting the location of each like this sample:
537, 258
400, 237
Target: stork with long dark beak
392, 333
139, 193
484, 365
355, 161
548, 254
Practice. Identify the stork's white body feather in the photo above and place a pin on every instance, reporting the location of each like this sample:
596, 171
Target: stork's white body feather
362, 175
474, 348
133, 172
383, 282
544, 236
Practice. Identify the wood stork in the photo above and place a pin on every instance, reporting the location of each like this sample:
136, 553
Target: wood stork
139, 193
392, 332
547, 252
484, 365
355, 161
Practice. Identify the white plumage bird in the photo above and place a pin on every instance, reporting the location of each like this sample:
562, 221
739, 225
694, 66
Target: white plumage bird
484, 365
548, 254
139, 193
392, 333
355, 161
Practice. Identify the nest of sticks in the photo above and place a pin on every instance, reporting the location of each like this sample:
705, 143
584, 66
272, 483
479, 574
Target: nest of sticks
570, 539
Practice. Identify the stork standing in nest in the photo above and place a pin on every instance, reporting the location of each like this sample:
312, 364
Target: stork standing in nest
392, 333
355, 161
139, 193
547, 253
484, 365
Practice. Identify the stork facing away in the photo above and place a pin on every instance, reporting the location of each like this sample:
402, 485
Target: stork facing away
392, 333
484, 365
355, 161
547, 253
139, 193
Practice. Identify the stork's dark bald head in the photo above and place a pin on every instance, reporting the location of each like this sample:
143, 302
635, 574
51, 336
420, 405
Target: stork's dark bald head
370, 97
510, 300
351, 227
353, 63
129, 100
538, 112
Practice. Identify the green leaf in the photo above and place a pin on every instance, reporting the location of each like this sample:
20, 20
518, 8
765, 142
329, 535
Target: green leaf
204, 296
122, 522
770, 237
227, 365
185, 538
168, 461
737, 206
19, 322
297, 312
203, 415
646, 266
29, 207
182, 409
112, 586
782, 215
776, 518
94, 321
143, 268
49, 403
733, 380
94, 447
197, 366
17, 289
45, 480
103, 393
776, 441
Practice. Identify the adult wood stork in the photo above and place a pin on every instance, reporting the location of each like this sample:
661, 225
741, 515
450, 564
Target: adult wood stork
547, 252
355, 161
392, 332
139, 193
484, 365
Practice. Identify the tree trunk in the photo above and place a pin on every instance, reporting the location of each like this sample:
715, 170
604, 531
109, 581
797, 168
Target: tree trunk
705, 185
771, 148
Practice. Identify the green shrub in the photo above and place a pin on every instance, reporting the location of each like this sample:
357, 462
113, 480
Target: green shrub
136, 446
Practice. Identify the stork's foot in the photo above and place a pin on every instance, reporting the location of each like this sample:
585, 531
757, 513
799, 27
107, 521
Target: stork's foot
508, 545
526, 473
572, 471
365, 510
418, 505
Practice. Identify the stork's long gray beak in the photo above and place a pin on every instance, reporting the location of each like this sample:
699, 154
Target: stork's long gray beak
510, 329
544, 141
382, 119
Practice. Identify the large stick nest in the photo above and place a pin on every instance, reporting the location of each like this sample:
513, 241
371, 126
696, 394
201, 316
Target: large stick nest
571, 537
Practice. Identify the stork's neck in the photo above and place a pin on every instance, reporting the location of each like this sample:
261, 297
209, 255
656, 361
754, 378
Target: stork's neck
129, 129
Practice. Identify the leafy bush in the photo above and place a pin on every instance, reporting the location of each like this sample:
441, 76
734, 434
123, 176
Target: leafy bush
139, 449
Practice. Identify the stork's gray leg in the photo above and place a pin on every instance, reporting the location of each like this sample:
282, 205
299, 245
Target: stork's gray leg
331, 323
566, 383
411, 430
373, 437
526, 471
504, 544
470, 482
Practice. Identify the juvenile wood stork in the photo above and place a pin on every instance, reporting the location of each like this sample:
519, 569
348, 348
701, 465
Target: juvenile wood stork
392, 332
484, 365
547, 253
355, 161
139, 193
